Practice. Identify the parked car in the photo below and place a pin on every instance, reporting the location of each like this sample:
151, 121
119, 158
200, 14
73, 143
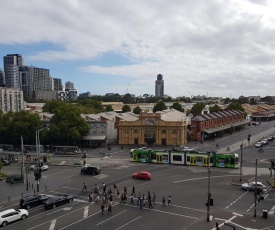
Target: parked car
259, 144
12, 215
54, 201
93, 170
144, 148
5, 162
32, 200
270, 138
43, 167
265, 141
142, 175
252, 186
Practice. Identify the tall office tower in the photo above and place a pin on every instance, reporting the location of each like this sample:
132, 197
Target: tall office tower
159, 86
57, 84
69, 85
2, 78
12, 62
34, 79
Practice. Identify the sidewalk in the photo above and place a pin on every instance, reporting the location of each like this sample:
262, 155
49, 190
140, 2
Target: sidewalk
12, 192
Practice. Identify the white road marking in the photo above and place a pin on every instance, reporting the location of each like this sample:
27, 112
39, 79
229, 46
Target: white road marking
86, 211
271, 212
250, 207
128, 223
111, 217
156, 210
237, 214
200, 178
52, 224
236, 200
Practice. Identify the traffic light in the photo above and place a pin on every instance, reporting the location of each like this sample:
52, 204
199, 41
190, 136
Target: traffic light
211, 202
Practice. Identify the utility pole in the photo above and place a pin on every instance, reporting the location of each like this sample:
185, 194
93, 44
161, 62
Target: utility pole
255, 191
22, 152
241, 166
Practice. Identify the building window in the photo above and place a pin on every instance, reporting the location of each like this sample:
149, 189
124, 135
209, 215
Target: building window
136, 131
102, 128
163, 131
125, 130
174, 131
94, 128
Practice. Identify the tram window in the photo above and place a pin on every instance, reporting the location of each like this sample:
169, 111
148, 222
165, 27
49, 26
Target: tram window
226, 161
199, 159
232, 161
153, 156
177, 158
165, 157
211, 160
188, 158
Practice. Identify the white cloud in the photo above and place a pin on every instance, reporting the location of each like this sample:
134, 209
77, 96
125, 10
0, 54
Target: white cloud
207, 46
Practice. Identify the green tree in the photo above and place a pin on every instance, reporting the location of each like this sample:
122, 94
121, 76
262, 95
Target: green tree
137, 110
160, 106
197, 108
13, 125
67, 125
50, 106
177, 106
126, 108
235, 106
267, 99
128, 99
214, 108
109, 108
252, 101
1, 165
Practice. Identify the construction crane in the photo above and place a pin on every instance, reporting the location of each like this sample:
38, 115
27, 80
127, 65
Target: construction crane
127, 88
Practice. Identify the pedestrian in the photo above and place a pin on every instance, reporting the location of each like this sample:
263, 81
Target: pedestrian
102, 208
169, 200
154, 196
163, 201
217, 145
150, 202
217, 226
84, 187
134, 191
110, 209
91, 196
104, 187
141, 202
125, 190
84, 162
132, 200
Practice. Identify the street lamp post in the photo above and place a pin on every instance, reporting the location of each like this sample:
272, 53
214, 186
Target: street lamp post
208, 191
241, 166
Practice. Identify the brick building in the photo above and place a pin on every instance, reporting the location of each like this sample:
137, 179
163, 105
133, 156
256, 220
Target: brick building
208, 125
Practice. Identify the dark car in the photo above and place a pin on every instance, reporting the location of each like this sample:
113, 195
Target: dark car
5, 162
32, 200
93, 170
58, 200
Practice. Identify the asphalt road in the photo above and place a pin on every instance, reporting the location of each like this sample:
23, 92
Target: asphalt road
187, 186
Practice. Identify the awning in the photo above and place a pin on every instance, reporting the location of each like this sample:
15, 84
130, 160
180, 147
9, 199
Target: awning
228, 126
95, 138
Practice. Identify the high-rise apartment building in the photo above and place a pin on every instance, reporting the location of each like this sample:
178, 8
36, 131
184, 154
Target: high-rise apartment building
12, 62
11, 100
34, 79
57, 84
159, 86
69, 85
2, 78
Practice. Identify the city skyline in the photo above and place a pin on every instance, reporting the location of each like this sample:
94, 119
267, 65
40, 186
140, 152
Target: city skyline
214, 48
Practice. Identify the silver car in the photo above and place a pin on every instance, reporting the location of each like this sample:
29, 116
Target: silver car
252, 186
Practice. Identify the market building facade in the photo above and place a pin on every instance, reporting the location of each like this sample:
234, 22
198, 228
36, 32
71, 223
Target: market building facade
168, 127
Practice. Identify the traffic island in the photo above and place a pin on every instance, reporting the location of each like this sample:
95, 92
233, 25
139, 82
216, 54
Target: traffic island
237, 182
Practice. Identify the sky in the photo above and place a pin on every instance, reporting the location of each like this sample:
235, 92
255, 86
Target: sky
217, 48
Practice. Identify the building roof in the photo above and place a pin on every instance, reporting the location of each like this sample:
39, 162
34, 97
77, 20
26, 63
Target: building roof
172, 115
